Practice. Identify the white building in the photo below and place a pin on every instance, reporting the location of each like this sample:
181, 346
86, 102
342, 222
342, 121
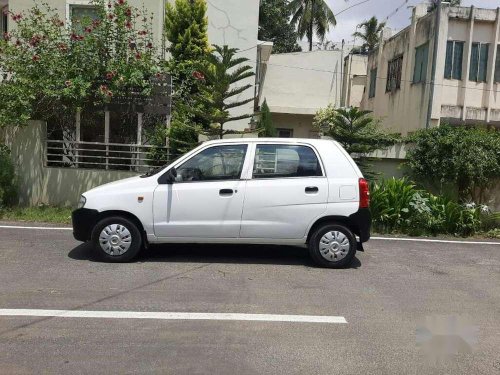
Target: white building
444, 67
296, 85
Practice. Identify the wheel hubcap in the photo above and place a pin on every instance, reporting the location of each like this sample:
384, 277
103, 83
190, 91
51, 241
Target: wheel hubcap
115, 239
334, 246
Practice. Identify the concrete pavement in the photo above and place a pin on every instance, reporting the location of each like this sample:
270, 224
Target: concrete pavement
391, 298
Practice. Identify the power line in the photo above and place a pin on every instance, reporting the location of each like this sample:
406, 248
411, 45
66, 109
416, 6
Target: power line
352, 6
378, 78
396, 10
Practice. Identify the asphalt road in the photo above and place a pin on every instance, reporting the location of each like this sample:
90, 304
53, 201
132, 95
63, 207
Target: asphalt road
410, 307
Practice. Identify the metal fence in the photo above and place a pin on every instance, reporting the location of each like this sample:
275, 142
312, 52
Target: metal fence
110, 156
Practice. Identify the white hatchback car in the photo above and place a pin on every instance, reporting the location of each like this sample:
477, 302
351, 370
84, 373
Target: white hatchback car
252, 191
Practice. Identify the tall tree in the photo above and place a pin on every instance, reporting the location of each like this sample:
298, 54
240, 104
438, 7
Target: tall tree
370, 34
356, 130
186, 29
221, 91
265, 126
312, 17
274, 26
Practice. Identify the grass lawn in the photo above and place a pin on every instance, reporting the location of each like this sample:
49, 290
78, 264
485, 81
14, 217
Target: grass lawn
42, 214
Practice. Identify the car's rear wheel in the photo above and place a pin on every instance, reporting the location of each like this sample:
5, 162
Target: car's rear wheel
116, 239
332, 246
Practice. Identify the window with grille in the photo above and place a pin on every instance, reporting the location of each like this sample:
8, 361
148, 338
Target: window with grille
81, 15
394, 74
421, 59
478, 62
373, 83
497, 65
454, 58
4, 21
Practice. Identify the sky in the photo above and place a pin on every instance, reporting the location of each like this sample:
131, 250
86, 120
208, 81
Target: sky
347, 21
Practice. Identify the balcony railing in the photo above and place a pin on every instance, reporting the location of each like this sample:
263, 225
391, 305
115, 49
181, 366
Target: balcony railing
108, 156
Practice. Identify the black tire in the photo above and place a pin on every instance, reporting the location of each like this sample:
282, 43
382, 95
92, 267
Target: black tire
135, 243
314, 246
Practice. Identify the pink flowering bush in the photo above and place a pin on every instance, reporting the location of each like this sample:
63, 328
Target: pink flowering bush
49, 67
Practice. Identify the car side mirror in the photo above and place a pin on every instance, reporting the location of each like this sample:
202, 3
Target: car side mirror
171, 175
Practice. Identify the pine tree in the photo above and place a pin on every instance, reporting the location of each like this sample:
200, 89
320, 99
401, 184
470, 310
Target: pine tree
222, 74
265, 126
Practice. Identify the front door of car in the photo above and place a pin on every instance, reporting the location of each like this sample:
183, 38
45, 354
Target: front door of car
206, 200
287, 192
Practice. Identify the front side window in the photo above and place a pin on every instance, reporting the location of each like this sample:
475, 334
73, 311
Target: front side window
454, 57
214, 164
421, 58
478, 62
275, 161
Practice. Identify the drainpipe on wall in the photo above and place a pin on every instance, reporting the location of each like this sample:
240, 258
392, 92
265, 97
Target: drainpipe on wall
434, 58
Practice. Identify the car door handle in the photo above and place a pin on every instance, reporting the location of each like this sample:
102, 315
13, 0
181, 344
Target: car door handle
226, 192
311, 189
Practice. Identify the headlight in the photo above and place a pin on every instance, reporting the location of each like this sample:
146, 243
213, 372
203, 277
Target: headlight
82, 202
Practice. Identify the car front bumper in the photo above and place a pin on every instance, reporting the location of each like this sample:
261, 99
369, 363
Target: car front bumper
83, 220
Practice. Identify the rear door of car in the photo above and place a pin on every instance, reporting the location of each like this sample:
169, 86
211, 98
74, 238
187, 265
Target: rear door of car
286, 192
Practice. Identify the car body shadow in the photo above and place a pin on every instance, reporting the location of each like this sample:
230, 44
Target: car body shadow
216, 253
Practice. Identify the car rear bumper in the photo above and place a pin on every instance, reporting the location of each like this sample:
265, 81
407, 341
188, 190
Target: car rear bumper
362, 222
83, 220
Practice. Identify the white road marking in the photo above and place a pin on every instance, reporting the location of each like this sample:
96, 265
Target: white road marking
438, 241
173, 316
373, 238
41, 228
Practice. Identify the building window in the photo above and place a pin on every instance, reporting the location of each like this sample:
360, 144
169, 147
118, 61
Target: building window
4, 21
81, 14
373, 83
394, 74
454, 58
421, 58
497, 65
285, 133
478, 62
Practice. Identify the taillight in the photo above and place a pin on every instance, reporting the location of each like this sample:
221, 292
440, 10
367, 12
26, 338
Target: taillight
364, 193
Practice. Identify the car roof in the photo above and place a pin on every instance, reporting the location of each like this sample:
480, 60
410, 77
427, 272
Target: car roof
269, 140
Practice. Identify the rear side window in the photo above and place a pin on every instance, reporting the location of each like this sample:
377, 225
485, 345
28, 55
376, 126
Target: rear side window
274, 161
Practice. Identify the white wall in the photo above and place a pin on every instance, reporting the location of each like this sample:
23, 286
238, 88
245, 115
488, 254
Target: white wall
236, 24
303, 82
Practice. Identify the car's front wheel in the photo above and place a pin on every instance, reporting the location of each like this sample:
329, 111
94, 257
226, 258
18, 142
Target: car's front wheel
332, 246
116, 239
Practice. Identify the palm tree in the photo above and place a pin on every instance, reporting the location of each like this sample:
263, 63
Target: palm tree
221, 92
312, 16
371, 33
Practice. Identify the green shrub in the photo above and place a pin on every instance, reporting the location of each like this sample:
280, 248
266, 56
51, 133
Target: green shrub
465, 157
397, 205
8, 190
